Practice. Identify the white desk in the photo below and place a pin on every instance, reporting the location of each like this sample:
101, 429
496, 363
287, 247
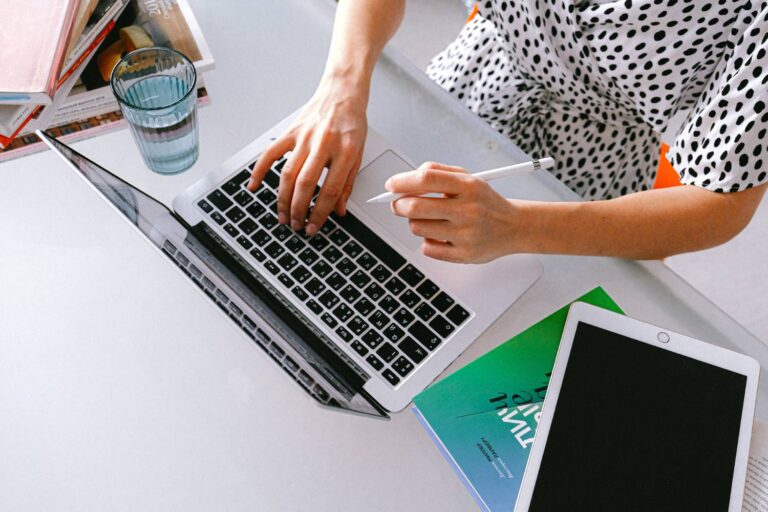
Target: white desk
123, 388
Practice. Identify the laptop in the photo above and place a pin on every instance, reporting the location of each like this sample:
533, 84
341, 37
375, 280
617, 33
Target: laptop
357, 316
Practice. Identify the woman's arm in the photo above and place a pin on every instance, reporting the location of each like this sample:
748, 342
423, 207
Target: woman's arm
332, 127
475, 224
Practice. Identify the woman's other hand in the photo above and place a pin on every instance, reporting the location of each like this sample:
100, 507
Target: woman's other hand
471, 223
330, 131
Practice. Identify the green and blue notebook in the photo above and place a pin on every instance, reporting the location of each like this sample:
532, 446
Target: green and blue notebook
483, 417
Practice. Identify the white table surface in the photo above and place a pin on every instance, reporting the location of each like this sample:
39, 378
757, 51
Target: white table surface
123, 388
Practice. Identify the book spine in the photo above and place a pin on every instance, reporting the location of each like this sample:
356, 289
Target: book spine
60, 55
32, 112
449, 458
85, 43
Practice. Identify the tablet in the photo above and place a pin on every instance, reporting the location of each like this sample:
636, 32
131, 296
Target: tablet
640, 418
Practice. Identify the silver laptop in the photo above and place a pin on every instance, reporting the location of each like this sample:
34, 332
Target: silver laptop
356, 315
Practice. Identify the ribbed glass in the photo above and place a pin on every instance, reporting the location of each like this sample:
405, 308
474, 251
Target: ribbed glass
156, 91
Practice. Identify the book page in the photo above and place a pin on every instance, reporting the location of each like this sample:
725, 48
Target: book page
756, 486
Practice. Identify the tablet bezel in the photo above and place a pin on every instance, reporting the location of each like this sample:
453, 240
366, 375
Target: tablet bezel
643, 333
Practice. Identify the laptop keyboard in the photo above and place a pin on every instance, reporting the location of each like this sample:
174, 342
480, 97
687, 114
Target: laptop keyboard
390, 314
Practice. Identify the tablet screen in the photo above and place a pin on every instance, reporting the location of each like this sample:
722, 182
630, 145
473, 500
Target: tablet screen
639, 428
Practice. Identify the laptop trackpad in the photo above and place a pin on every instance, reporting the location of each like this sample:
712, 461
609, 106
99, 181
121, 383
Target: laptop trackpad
370, 182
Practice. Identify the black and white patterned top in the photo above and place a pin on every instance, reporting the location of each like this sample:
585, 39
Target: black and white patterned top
591, 83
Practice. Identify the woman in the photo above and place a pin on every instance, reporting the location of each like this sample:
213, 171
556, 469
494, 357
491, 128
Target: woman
588, 82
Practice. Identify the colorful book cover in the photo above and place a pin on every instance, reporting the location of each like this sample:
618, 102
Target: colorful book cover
483, 417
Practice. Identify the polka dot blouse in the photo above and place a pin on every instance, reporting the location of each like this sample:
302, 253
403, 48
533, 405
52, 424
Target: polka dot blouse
592, 83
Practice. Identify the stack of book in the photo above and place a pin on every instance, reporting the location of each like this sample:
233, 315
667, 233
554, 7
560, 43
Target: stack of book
60, 82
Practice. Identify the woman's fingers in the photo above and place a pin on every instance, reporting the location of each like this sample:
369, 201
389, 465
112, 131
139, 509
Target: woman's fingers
288, 177
440, 250
333, 187
278, 148
429, 178
304, 188
434, 229
341, 205
423, 208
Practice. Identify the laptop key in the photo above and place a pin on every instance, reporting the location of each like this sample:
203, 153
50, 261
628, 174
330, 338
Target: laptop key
344, 334
235, 214
372, 338
274, 249
346, 266
350, 293
370, 241
218, 218
442, 302
357, 325
266, 196
329, 320
290, 364
300, 294
360, 279
233, 185
366, 261
219, 200
364, 306
318, 242
402, 366
375, 362
273, 269
332, 254
404, 317
244, 242
336, 281
314, 286
390, 376
295, 244
393, 333
328, 299
272, 179
243, 198
410, 299
287, 281
412, 349
424, 335
282, 232
427, 289
308, 257
387, 352
288, 262
322, 268
457, 315
301, 273
380, 273
442, 326
205, 206
353, 249
374, 291
379, 319
343, 312
359, 348
395, 286
261, 238
260, 257
328, 227
269, 221
339, 237
389, 304
248, 226
231, 230
411, 275
255, 210
314, 306
425, 311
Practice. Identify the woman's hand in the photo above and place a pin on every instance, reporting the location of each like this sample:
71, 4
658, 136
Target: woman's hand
472, 223
330, 131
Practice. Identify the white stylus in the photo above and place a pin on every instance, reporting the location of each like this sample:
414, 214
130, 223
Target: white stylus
490, 175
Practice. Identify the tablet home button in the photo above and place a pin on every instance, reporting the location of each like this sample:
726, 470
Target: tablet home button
663, 337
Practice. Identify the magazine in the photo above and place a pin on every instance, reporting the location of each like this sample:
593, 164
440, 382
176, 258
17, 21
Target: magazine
80, 129
483, 417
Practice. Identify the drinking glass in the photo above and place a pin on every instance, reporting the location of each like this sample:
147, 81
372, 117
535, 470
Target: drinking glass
155, 88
